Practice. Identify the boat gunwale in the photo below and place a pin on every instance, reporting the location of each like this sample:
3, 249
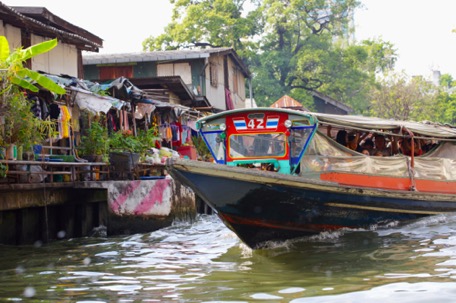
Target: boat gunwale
271, 178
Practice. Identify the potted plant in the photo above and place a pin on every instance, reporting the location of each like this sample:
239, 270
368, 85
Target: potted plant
124, 151
127, 149
124, 141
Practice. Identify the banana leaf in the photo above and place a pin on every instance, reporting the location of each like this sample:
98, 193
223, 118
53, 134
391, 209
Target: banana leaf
4, 49
24, 84
38, 49
43, 81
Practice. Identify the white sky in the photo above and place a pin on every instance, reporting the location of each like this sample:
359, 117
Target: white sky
123, 25
421, 30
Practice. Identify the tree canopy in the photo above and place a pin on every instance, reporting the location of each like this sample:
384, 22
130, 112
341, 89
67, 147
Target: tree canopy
291, 46
399, 97
220, 23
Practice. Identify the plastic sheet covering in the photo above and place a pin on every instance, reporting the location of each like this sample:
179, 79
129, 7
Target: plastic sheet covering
435, 168
439, 163
93, 102
143, 109
325, 155
444, 150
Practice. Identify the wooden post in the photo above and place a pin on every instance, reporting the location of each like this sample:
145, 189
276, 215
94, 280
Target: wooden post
133, 109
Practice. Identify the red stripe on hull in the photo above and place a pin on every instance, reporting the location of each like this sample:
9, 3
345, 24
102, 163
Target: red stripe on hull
391, 183
316, 228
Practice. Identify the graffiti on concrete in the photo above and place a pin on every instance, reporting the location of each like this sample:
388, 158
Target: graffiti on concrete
140, 197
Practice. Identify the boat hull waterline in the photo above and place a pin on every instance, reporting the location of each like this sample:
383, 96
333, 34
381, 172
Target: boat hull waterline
260, 206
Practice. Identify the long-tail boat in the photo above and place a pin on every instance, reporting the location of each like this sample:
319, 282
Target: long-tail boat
279, 174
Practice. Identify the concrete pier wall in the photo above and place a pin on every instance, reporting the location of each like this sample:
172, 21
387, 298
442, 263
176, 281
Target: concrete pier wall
145, 205
41, 212
35, 215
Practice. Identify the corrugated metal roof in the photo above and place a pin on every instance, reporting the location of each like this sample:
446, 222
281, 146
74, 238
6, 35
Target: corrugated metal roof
157, 56
83, 39
43, 15
92, 59
287, 102
330, 100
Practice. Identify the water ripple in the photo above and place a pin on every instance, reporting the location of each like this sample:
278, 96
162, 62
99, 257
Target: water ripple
203, 261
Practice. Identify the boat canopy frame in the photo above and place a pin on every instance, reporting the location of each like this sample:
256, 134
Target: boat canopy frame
404, 129
215, 126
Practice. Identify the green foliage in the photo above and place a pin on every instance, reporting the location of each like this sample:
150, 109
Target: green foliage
127, 142
19, 75
4, 49
303, 48
399, 97
20, 126
201, 147
95, 142
446, 108
446, 100
378, 56
291, 47
403, 99
119, 141
447, 81
3, 170
217, 22
148, 138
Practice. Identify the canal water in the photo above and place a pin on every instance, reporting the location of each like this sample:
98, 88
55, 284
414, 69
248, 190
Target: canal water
203, 261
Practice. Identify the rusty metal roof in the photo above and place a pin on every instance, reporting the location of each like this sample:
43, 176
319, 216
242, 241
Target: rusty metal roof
287, 102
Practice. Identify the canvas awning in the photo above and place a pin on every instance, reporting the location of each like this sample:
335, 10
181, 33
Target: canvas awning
370, 123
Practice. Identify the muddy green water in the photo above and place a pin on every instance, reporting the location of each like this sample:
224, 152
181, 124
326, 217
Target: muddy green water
205, 262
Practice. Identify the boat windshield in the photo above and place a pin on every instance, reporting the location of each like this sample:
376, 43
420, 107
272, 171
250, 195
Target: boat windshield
214, 140
299, 137
257, 145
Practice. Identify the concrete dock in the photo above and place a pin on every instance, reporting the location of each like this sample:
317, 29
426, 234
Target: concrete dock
60, 210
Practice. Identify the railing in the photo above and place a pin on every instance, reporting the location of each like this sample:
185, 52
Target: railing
19, 171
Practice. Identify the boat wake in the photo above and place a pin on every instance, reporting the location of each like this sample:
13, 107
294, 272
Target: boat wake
429, 227
210, 229
425, 227
326, 236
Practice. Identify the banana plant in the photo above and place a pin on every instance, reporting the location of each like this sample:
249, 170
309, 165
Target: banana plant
12, 65
18, 125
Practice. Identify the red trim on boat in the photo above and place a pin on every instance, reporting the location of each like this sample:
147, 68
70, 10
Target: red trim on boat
392, 183
279, 225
